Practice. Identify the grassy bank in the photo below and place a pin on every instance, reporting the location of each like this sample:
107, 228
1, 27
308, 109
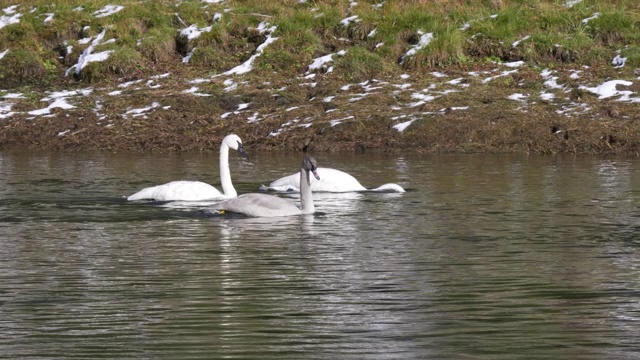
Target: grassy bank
392, 63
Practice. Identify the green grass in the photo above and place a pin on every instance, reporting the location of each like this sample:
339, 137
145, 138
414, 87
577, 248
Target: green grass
147, 35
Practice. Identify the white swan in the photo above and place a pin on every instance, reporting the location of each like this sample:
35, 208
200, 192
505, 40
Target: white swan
265, 205
197, 190
331, 180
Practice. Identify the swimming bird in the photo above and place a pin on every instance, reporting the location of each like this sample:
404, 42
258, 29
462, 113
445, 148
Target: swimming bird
265, 205
331, 180
197, 190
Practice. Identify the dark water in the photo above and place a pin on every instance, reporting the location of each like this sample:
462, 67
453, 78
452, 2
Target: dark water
485, 257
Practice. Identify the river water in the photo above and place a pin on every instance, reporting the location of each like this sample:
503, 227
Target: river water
485, 257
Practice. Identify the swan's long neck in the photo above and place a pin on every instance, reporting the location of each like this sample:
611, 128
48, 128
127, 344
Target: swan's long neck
305, 193
225, 174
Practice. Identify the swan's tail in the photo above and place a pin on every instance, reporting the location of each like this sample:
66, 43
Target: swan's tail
389, 188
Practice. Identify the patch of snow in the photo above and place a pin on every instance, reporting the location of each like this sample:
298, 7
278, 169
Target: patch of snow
13, 96
575, 74
345, 22
422, 99
217, 17
108, 10
194, 91
405, 76
49, 17
438, 74
550, 81
504, 73
403, 125
425, 39
57, 103
248, 65
115, 93
571, 3
465, 26
10, 10
193, 32
514, 64
253, 118
372, 33
608, 89
618, 61
594, 16
519, 41
8, 20
129, 83
2, 54
339, 121
87, 55
547, 96
517, 97
456, 81
243, 106
189, 55
141, 111
5, 109
212, 1
321, 62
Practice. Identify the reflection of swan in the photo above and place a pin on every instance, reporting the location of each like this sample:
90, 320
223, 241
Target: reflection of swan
331, 180
197, 190
264, 205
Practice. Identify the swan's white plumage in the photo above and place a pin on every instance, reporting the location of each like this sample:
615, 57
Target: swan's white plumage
331, 180
264, 205
178, 190
197, 190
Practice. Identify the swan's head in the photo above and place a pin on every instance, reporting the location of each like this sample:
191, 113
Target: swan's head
309, 164
234, 142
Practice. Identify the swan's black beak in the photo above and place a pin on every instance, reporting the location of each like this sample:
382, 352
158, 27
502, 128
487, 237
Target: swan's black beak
241, 151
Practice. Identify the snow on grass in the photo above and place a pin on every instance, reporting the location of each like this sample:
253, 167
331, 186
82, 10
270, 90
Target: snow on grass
609, 89
515, 43
571, 3
6, 20
248, 65
322, 62
140, 112
60, 100
339, 121
425, 39
2, 54
49, 17
57, 103
514, 64
422, 99
594, 16
5, 109
550, 81
88, 56
618, 61
345, 22
186, 58
108, 10
518, 97
194, 91
504, 73
403, 125
547, 96
193, 32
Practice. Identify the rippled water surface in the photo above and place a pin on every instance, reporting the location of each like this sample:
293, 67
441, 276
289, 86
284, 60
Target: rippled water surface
485, 256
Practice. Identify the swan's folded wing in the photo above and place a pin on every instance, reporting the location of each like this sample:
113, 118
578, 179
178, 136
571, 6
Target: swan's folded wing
258, 205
